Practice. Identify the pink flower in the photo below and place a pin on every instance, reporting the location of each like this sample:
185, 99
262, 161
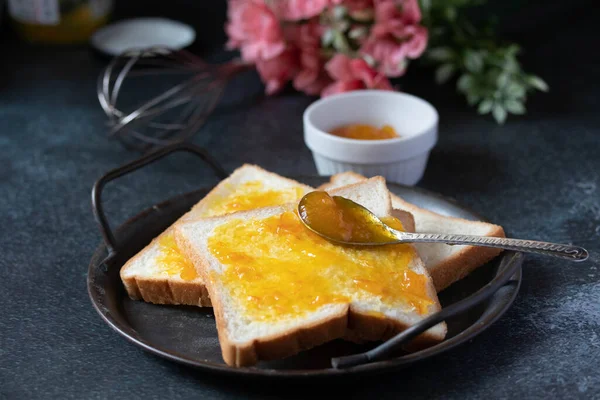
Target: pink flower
353, 74
312, 77
416, 45
254, 29
275, 72
395, 36
294, 10
407, 11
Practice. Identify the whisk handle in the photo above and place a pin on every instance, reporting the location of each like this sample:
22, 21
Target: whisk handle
105, 230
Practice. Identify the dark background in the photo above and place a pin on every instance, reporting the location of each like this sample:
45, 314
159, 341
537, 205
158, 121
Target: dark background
537, 175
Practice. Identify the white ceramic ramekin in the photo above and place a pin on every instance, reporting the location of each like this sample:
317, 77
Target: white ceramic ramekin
402, 160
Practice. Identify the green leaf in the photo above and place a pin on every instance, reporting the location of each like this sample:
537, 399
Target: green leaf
538, 83
369, 59
339, 12
513, 50
473, 62
515, 90
444, 72
327, 38
440, 53
511, 65
485, 106
358, 32
502, 80
514, 107
499, 113
465, 82
339, 42
425, 5
342, 26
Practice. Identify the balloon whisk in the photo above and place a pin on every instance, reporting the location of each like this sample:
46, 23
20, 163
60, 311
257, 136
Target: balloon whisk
188, 91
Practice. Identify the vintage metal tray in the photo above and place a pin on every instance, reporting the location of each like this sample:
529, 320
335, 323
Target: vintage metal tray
188, 334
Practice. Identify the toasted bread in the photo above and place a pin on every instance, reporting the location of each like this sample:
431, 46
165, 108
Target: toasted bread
277, 288
446, 264
159, 274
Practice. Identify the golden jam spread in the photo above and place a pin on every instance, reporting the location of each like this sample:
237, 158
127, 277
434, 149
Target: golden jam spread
276, 268
365, 132
249, 195
252, 194
340, 219
171, 259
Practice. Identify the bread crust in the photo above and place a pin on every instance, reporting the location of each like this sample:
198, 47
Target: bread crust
167, 291
163, 289
364, 328
285, 344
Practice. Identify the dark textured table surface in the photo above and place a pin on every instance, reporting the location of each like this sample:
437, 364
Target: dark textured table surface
538, 176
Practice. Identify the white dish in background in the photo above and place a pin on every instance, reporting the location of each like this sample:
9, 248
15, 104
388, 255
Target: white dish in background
402, 160
142, 33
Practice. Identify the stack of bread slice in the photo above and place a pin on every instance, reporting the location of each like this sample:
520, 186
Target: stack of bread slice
277, 288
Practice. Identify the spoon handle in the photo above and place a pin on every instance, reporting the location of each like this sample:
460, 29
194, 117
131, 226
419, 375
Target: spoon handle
565, 251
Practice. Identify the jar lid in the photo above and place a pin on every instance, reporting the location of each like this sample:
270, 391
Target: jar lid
142, 33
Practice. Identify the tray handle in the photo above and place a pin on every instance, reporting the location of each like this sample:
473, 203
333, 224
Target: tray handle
507, 268
105, 230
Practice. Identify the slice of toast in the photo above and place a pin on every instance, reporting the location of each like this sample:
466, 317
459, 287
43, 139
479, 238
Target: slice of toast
446, 264
278, 288
160, 274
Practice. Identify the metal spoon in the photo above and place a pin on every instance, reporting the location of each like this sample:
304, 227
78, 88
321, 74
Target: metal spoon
388, 235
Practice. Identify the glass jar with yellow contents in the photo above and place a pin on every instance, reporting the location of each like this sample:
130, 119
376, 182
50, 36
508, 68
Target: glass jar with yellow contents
58, 21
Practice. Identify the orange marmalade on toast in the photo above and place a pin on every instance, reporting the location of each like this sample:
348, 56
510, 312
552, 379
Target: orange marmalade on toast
250, 195
277, 268
246, 196
172, 261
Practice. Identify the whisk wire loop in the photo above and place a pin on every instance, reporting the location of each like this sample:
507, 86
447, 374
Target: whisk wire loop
156, 122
